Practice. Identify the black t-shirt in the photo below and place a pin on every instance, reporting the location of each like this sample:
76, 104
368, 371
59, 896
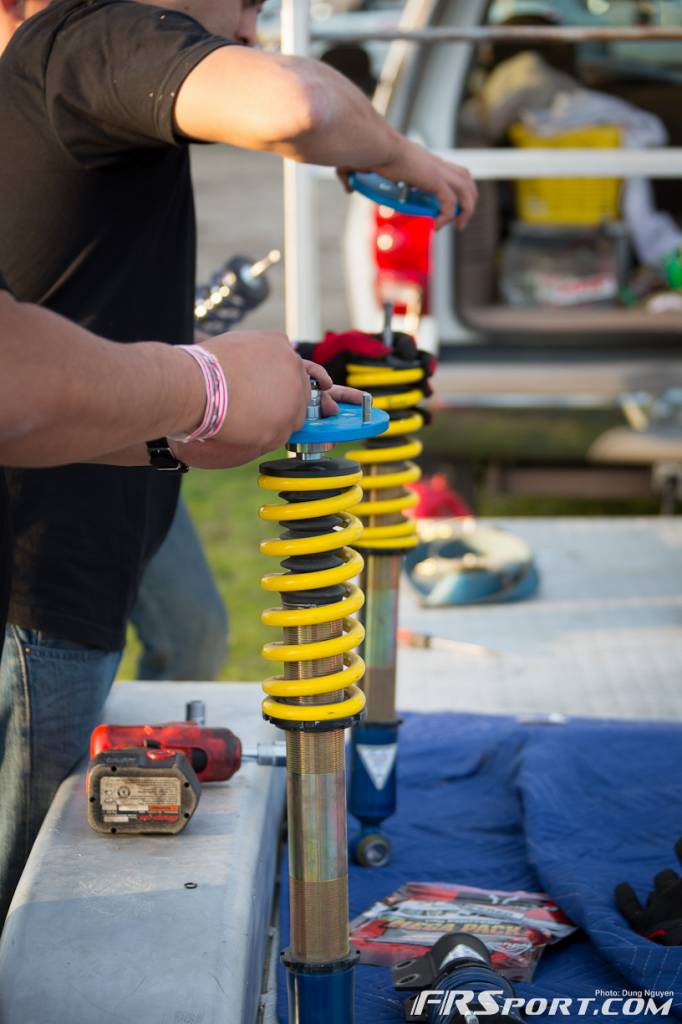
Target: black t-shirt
5, 538
97, 223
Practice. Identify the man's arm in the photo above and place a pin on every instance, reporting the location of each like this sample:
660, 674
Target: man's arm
307, 111
66, 395
10, 20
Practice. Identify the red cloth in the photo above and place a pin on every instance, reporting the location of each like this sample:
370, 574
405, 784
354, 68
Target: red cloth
437, 500
355, 343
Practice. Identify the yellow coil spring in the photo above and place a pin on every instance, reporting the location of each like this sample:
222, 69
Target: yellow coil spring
388, 467
284, 700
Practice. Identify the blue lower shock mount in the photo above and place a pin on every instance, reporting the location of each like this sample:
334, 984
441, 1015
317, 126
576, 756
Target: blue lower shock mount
372, 789
321, 994
455, 983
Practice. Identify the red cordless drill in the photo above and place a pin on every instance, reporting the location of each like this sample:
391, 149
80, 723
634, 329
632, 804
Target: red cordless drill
214, 754
145, 778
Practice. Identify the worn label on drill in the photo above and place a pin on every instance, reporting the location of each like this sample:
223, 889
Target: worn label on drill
136, 798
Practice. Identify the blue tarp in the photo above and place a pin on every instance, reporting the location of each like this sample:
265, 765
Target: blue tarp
569, 809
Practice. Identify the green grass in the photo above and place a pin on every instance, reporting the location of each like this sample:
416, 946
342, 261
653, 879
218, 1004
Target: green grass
224, 506
512, 435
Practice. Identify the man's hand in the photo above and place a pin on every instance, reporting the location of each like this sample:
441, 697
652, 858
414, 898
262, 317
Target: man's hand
413, 164
307, 111
331, 393
268, 391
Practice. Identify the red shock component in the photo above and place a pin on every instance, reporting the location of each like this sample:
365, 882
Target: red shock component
215, 754
402, 254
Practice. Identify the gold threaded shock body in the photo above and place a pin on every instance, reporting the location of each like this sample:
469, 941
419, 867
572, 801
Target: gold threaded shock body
316, 696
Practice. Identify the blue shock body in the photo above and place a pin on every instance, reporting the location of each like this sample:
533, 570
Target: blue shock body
373, 789
324, 996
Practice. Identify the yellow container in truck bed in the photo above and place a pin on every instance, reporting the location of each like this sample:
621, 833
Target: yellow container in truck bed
568, 201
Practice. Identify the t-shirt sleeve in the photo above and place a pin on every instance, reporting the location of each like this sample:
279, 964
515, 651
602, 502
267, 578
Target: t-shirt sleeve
113, 73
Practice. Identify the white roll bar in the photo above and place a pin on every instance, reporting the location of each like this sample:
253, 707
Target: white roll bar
506, 34
301, 276
502, 164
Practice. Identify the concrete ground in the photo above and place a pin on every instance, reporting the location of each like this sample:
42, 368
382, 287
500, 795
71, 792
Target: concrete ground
600, 638
240, 212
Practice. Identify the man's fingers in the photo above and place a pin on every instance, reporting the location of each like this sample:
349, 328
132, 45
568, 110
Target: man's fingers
339, 393
342, 393
319, 374
448, 206
467, 204
464, 187
457, 190
328, 406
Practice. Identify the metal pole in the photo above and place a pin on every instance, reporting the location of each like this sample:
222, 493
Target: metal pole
532, 34
502, 164
302, 289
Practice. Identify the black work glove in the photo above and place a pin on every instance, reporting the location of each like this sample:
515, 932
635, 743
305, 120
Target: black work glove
660, 919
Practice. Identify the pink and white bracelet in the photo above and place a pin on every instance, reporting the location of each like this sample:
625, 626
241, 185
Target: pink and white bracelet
216, 395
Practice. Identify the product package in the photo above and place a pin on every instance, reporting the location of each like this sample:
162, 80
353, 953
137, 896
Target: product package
515, 926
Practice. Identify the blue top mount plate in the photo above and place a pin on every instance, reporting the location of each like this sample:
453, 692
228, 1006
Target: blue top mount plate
347, 426
402, 198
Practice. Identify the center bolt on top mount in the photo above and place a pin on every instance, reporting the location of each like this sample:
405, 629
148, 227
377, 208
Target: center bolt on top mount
316, 697
395, 384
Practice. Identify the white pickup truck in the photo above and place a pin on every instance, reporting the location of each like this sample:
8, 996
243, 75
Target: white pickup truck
492, 351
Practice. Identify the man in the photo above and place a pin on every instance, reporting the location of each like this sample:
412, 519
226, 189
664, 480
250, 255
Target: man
66, 394
179, 616
98, 99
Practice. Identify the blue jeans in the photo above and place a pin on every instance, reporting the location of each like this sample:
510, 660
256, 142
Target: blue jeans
51, 697
180, 617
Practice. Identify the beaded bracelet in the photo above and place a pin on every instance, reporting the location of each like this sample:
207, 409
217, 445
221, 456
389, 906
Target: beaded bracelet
216, 395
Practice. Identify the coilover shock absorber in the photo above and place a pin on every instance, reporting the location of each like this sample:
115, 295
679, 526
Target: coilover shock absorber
316, 698
388, 532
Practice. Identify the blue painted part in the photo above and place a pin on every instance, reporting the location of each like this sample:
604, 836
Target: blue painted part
321, 998
366, 802
472, 979
347, 426
512, 580
388, 193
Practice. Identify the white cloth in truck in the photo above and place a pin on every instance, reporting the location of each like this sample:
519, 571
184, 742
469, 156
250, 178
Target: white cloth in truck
521, 83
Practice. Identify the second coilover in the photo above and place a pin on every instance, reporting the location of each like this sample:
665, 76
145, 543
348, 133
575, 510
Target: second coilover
396, 385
